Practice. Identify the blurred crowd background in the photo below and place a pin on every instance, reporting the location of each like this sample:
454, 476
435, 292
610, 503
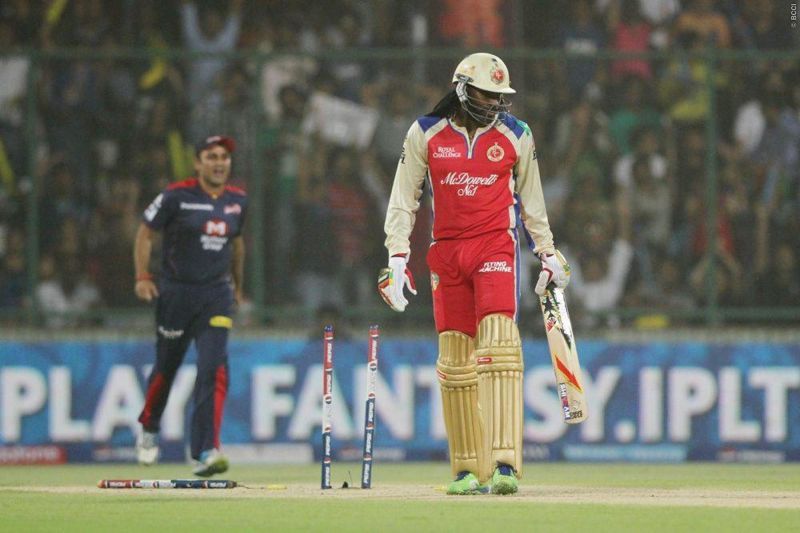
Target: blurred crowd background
640, 154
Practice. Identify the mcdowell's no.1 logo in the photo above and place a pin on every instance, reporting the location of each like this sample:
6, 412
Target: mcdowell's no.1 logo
468, 185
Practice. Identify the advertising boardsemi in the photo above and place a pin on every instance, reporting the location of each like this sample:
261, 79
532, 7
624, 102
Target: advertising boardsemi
677, 401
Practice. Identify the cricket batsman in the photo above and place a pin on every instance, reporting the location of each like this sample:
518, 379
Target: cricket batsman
201, 278
480, 164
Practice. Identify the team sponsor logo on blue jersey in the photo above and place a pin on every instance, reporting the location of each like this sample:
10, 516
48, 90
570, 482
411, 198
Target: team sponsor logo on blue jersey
216, 235
198, 207
170, 333
152, 210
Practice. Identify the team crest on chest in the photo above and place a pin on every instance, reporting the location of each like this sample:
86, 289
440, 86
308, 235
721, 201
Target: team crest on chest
495, 153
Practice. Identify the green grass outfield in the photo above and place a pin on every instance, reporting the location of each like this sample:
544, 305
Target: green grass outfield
409, 497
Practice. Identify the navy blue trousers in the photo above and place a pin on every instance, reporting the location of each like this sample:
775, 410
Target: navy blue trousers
186, 312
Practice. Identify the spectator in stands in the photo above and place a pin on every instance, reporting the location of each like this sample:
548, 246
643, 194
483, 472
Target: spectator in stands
72, 103
119, 220
65, 291
230, 108
684, 86
293, 70
645, 206
636, 111
22, 15
396, 115
737, 183
13, 275
209, 32
315, 250
779, 285
600, 268
581, 35
669, 290
13, 88
760, 25
352, 219
61, 200
660, 14
631, 34
283, 159
727, 274
581, 141
351, 76
701, 18
646, 143
90, 22
472, 23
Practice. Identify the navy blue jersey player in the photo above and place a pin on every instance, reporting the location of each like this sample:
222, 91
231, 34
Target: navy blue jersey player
201, 277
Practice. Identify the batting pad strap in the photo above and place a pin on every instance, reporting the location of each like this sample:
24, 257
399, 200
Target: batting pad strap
498, 336
458, 383
500, 363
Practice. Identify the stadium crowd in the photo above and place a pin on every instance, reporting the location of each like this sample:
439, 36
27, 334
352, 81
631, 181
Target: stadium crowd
319, 119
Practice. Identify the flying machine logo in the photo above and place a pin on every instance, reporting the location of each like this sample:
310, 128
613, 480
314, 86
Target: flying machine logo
495, 153
495, 266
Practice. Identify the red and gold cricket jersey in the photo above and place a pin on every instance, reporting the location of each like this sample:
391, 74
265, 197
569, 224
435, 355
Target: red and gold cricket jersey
479, 186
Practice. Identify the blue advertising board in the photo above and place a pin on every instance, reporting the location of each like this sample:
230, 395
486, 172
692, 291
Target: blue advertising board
659, 401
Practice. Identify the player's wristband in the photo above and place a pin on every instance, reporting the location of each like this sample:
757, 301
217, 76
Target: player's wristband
144, 277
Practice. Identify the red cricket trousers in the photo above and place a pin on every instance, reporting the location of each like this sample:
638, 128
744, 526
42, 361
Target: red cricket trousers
473, 278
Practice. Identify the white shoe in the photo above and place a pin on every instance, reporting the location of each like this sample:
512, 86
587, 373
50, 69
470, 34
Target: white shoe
211, 462
147, 448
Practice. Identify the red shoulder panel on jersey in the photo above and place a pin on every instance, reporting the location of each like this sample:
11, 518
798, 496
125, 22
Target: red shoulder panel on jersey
185, 184
236, 190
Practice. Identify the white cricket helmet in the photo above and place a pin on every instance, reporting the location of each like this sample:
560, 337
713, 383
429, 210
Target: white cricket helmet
485, 72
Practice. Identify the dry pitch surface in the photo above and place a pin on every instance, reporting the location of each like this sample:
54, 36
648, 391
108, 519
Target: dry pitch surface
410, 497
527, 494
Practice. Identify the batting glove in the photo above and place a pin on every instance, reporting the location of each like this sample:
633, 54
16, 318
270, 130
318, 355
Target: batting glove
392, 280
555, 270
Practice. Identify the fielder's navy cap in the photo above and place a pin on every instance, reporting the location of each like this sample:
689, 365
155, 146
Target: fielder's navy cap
216, 140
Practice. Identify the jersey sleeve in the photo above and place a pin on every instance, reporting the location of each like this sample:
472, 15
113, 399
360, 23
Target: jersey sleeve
406, 192
529, 189
160, 211
242, 217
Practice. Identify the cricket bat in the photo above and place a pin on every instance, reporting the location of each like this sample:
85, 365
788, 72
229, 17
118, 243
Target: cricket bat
564, 355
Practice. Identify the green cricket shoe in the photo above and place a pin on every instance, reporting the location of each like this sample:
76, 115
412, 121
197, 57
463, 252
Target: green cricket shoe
504, 481
466, 483
211, 462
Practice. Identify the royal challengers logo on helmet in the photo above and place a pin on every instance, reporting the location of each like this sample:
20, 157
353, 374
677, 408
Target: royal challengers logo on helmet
497, 75
495, 153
